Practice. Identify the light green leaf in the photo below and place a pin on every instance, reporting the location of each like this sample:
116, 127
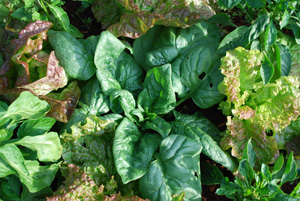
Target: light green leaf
34, 176
27, 106
159, 125
176, 170
5, 134
48, 146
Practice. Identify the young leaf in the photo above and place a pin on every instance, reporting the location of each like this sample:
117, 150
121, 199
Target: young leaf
249, 153
266, 71
176, 170
158, 95
133, 151
290, 173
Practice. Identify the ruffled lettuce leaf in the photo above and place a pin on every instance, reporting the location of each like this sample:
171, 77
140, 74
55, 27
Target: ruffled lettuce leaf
80, 186
133, 18
63, 104
25, 61
256, 109
55, 78
89, 145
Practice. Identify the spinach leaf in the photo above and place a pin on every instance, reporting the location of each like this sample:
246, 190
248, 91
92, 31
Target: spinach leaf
176, 169
158, 95
133, 151
203, 131
71, 53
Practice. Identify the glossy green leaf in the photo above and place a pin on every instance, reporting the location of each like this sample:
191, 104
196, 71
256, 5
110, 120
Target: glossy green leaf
133, 151
124, 100
246, 171
201, 130
270, 34
296, 30
159, 125
27, 106
176, 170
243, 35
285, 19
64, 21
283, 59
48, 146
76, 60
290, 172
92, 99
158, 95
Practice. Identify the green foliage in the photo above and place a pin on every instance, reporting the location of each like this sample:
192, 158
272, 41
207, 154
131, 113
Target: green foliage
263, 184
45, 145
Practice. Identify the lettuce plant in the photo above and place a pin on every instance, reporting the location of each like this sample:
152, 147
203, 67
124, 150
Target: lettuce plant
254, 109
263, 184
133, 18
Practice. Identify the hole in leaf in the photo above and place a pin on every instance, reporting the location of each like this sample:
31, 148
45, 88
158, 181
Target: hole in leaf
269, 133
187, 57
196, 175
211, 85
202, 75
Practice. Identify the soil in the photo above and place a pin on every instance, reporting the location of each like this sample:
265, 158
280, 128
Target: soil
83, 18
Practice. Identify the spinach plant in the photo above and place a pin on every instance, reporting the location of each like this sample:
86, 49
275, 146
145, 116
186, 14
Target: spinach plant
264, 184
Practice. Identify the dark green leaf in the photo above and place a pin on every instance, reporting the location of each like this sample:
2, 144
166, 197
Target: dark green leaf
159, 125
176, 170
35, 127
290, 173
158, 95
256, 3
295, 25
249, 153
270, 34
283, 60
247, 172
92, 99
203, 131
132, 151
221, 18
76, 60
